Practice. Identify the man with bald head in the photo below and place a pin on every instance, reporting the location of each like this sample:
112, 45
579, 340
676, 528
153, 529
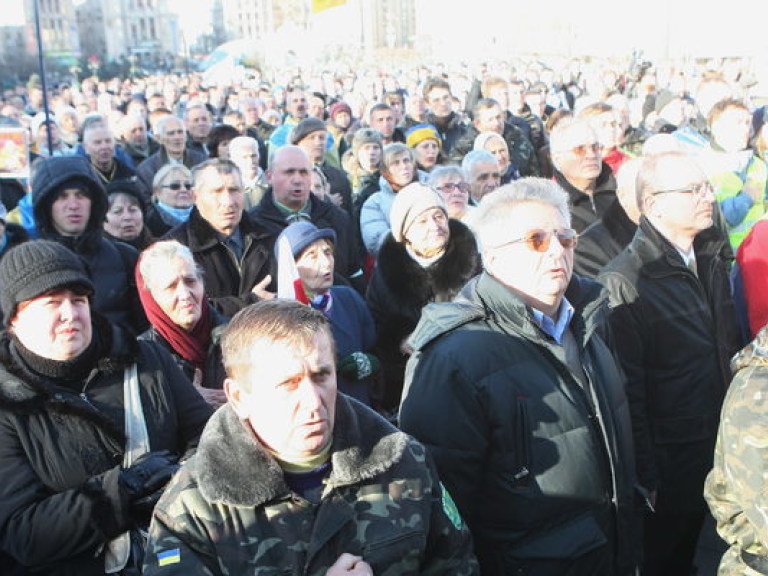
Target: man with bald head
675, 331
289, 200
580, 170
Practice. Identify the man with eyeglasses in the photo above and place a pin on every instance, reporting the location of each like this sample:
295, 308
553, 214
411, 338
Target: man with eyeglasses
675, 331
520, 402
577, 159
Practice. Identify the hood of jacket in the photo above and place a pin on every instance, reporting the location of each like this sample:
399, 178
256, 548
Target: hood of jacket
48, 177
364, 446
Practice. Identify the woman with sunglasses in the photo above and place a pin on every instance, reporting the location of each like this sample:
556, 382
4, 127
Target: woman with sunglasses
426, 257
172, 200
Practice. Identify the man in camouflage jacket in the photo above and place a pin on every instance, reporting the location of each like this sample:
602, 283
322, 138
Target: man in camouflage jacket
239, 507
736, 488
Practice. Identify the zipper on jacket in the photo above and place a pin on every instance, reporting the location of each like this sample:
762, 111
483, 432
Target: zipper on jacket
522, 468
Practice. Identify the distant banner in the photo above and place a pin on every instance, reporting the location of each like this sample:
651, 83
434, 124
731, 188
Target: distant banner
14, 153
320, 5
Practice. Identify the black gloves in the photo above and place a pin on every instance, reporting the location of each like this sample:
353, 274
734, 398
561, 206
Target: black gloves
358, 365
149, 474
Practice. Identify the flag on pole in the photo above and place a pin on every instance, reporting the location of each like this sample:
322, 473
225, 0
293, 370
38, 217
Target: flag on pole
320, 5
289, 284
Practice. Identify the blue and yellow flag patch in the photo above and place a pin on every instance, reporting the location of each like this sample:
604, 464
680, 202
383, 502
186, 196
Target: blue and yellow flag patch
169, 557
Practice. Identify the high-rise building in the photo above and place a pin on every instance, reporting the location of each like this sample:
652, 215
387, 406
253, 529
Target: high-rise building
58, 27
139, 30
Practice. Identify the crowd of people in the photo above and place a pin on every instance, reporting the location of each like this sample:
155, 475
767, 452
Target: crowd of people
502, 321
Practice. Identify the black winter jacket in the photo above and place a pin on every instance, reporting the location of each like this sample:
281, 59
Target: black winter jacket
110, 264
588, 208
61, 453
228, 282
540, 467
602, 241
675, 335
399, 290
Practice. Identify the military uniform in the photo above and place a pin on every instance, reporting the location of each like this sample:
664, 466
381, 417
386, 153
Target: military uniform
736, 487
230, 511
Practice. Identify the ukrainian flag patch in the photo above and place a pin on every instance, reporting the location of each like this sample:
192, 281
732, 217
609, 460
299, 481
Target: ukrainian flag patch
169, 557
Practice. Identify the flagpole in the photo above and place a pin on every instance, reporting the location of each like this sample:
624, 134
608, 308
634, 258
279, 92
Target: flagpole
41, 64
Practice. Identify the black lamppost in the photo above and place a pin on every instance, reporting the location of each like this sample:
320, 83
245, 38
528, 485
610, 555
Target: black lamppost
41, 64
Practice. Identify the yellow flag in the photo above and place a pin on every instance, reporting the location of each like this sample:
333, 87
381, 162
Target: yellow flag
320, 5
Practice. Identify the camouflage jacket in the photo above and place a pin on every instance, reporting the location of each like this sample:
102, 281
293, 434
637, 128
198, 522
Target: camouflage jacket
736, 488
230, 512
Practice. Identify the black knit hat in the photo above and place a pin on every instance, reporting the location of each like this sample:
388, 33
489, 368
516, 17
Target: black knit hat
34, 268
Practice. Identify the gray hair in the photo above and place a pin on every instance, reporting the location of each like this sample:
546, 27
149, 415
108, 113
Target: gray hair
477, 157
442, 172
160, 124
395, 149
491, 219
160, 255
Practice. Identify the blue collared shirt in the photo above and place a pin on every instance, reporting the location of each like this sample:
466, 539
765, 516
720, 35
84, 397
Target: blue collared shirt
555, 328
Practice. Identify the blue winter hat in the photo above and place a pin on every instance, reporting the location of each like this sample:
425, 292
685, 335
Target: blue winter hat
302, 234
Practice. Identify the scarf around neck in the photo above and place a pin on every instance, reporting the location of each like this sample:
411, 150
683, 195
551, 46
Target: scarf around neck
192, 345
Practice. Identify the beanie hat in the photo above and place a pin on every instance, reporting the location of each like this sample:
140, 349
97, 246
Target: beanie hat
131, 188
366, 136
34, 268
408, 204
420, 132
305, 128
337, 107
302, 234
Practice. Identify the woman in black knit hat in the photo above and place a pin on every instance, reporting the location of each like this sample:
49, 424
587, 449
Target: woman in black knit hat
92, 422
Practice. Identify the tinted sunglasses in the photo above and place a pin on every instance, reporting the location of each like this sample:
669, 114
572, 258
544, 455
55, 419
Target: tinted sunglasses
176, 186
539, 240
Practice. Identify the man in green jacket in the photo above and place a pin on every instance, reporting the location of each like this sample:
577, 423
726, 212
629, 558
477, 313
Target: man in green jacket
293, 478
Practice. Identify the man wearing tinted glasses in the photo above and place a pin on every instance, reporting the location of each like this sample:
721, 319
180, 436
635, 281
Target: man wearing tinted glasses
675, 330
580, 170
520, 401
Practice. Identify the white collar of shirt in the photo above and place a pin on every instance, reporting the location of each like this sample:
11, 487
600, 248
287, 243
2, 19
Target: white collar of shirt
555, 328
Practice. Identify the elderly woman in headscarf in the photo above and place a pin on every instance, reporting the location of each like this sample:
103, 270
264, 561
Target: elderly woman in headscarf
351, 322
426, 257
496, 145
172, 291
398, 170
92, 422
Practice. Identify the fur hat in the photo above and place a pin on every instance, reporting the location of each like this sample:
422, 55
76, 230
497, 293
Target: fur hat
420, 132
305, 128
408, 204
34, 268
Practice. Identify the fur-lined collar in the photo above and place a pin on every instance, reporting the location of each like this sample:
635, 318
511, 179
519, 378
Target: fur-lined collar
441, 281
233, 468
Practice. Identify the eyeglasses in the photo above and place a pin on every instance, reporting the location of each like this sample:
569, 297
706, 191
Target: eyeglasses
449, 187
697, 190
176, 186
539, 240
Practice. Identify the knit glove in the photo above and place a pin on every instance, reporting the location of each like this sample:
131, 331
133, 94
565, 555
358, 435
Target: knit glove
358, 365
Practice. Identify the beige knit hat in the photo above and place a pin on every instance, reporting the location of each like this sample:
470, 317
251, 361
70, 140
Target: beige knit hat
409, 203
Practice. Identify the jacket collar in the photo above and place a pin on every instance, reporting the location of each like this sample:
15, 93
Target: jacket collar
605, 183
202, 236
364, 447
659, 256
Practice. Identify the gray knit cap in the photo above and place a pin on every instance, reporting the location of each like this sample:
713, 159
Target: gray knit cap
34, 268
408, 204
305, 128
